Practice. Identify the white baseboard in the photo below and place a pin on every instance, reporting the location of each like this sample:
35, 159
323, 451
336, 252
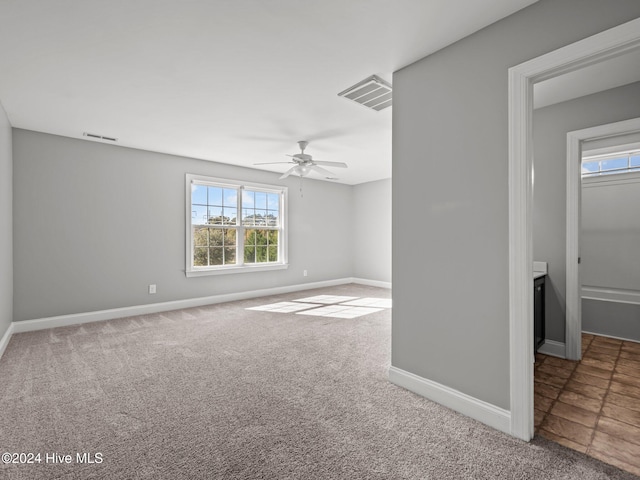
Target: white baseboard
484, 412
611, 336
553, 348
96, 316
371, 283
4, 341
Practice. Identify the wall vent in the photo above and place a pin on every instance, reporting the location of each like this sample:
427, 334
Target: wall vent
372, 92
99, 137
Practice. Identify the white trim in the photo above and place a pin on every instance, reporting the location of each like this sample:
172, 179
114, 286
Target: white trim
227, 269
573, 323
573, 306
521, 357
596, 48
4, 341
372, 283
553, 348
611, 336
480, 410
87, 317
611, 295
611, 179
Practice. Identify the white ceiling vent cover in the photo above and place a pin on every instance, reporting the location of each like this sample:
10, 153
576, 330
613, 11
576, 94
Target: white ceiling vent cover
372, 92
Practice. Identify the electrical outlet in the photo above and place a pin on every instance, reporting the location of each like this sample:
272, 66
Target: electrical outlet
304, 273
152, 289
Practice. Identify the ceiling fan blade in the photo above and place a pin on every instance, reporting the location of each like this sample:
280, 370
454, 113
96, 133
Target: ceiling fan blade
271, 163
288, 172
322, 171
331, 164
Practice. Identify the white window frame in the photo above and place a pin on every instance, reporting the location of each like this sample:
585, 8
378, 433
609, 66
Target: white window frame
240, 267
632, 150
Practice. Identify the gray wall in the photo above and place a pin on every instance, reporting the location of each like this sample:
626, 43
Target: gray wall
614, 319
610, 234
372, 230
450, 194
609, 242
95, 224
550, 127
6, 224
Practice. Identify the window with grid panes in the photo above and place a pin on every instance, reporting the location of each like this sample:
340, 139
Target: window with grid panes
620, 162
234, 227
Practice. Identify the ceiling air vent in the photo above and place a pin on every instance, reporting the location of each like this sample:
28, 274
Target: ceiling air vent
99, 137
372, 92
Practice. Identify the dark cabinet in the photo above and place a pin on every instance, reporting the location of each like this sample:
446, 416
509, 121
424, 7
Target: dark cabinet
538, 312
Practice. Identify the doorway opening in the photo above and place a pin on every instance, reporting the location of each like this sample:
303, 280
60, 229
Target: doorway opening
598, 48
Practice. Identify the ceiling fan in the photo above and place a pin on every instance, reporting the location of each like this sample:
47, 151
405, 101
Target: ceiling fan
303, 164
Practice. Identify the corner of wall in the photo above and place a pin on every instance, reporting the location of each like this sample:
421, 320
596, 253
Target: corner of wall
6, 227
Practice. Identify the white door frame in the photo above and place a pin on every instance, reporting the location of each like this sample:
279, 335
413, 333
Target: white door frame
574, 185
596, 48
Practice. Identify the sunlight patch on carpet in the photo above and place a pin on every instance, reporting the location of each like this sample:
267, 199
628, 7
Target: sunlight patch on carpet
284, 307
370, 302
340, 311
326, 299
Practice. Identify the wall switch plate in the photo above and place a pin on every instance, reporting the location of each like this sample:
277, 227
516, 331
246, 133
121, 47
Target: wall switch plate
304, 273
152, 289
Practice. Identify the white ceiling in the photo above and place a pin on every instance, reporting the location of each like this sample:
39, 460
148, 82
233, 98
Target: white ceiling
236, 82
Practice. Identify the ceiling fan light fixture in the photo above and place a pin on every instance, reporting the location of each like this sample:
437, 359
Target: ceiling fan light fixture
303, 170
372, 92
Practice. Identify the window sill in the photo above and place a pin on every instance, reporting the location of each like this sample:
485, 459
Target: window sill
243, 269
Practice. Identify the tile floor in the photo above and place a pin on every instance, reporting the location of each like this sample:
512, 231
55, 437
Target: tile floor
592, 405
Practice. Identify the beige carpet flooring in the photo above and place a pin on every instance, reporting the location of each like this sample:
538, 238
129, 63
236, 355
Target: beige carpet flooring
221, 392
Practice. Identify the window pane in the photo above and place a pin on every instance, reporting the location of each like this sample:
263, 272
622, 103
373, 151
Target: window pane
614, 163
229, 236
273, 237
215, 196
215, 237
198, 194
261, 254
248, 217
261, 237
249, 254
635, 161
261, 200
201, 236
215, 216
249, 237
248, 198
261, 217
273, 254
272, 218
273, 201
230, 197
200, 258
229, 215
229, 255
215, 256
198, 215
589, 167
